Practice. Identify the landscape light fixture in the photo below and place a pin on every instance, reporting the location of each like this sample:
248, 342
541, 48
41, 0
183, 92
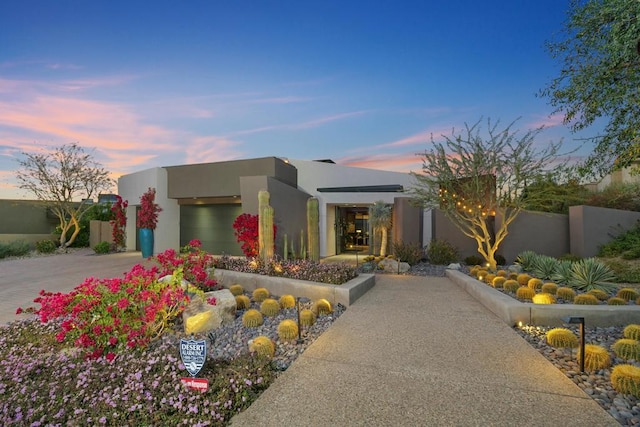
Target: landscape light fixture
572, 320
299, 341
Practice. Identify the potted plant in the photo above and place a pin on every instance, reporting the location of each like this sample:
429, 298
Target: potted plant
147, 221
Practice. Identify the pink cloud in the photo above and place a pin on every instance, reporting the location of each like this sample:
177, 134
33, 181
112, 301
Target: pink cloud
303, 125
211, 149
548, 121
402, 162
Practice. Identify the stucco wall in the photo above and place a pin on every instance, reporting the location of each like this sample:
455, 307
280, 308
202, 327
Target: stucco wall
591, 227
131, 187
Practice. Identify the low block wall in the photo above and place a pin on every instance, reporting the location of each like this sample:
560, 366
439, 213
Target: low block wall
512, 311
345, 294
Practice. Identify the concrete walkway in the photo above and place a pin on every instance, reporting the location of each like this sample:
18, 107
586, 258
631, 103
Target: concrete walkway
414, 351
421, 352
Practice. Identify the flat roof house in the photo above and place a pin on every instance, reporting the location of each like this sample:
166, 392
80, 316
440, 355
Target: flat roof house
202, 201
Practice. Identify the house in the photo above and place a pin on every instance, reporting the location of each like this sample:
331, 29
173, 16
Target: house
202, 201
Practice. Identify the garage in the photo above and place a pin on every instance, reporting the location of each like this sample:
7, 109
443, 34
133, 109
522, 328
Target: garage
212, 225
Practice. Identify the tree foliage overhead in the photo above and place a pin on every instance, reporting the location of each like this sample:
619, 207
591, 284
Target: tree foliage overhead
599, 49
473, 178
67, 179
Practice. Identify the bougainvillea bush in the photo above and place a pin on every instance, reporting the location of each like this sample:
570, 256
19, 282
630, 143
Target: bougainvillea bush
42, 385
196, 263
149, 209
332, 273
119, 222
245, 229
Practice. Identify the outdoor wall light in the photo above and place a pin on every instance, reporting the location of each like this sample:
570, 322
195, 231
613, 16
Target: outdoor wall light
572, 320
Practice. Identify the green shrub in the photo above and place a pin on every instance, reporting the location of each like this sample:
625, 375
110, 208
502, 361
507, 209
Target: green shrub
622, 196
562, 273
544, 267
441, 252
627, 241
625, 272
16, 248
569, 257
473, 260
45, 246
500, 260
102, 248
410, 253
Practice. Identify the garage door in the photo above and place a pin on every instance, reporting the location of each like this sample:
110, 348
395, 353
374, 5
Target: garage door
212, 225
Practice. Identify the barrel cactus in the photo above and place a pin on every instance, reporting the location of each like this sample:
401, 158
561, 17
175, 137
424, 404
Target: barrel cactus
565, 293
242, 302
616, 301
586, 299
498, 282
595, 357
261, 294
534, 283
236, 289
269, 307
525, 293
632, 331
288, 330
550, 288
523, 279
599, 293
543, 298
287, 301
512, 276
307, 317
262, 346
562, 337
488, 279
511, 285
626, 379
481, 274
502, 273
252, 318
322, 307
474, 271
628, 294
626, 349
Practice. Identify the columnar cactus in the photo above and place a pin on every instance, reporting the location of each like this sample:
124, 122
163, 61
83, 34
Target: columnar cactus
265, 226
313, 228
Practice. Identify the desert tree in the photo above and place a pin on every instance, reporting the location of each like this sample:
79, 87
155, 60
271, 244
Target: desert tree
66, 178
472, 178
380, 220
599, 54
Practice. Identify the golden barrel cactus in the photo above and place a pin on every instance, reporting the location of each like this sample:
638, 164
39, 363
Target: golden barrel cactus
628, 294
595, 357
260, 294
288, 330
566, 294
626, 379
252, 318
236, 289
322, 307
626, 349
287, 301
242, 302
534, 283
498, 281
523, 279
616, 301
586, 299
270, 307
632, 331
543, 298
550, 288
511, 285
262, 346
525, 293
307, 317
562, 337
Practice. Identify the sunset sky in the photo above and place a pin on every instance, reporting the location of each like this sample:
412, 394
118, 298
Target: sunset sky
365, 83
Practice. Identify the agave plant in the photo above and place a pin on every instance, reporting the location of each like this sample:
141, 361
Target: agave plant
589, 274
526, 260
562, 274
544, 266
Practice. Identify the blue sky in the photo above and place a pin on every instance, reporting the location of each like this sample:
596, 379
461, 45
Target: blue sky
161, 83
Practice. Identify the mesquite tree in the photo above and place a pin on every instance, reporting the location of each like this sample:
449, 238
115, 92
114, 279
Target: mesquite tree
472, 178
67, 179
599, 55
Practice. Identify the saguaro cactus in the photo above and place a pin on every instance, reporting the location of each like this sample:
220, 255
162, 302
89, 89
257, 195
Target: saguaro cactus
265, 226
313, 228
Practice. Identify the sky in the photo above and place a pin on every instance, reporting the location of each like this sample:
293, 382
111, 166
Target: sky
365, 83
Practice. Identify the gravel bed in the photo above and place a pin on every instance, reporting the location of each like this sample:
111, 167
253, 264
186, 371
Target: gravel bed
623, 407
231, 339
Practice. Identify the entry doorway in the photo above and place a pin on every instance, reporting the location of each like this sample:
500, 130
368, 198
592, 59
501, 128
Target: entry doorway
352, 229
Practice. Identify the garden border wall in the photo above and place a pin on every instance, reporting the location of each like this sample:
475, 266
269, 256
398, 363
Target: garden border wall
345, 294
512, 311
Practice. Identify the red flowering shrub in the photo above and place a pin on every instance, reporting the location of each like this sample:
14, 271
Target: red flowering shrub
246, 231
197, 265
119, 221
148, 213
104, 316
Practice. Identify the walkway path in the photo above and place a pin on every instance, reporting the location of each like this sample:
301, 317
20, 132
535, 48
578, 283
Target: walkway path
419, 351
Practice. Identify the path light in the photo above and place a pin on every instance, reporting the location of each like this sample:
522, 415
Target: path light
299, 341
572, 320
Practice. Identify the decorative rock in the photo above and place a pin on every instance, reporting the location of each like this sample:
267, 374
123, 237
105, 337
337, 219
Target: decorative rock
169, 277
390, 265
454, 266
199, 317
225, 304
